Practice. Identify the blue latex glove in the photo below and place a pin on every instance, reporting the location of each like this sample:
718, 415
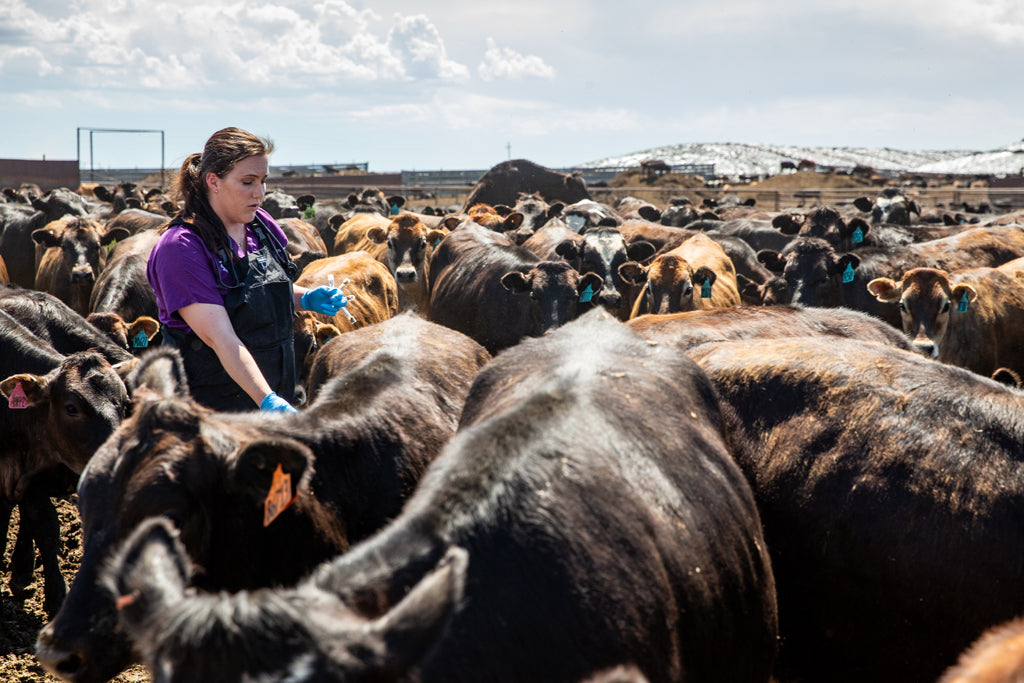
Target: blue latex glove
274, 403
326, 300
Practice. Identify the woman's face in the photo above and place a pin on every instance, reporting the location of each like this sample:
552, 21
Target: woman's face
236, 196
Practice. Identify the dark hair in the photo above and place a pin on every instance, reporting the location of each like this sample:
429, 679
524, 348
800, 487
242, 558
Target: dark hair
221, 153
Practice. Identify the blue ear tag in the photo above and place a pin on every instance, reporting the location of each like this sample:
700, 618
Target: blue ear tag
705, 290
848, 274
587, 294
962, 306
140, 341
394, 209
858, 235
437, 242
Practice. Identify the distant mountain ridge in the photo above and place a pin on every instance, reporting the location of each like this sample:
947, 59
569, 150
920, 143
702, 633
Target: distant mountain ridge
738, 159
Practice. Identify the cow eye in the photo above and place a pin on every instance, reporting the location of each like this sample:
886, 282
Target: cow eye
71, 409
945, 306
392, 243
688, 290
903, 306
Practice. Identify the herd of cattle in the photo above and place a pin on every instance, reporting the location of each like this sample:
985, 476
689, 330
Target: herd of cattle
548, 440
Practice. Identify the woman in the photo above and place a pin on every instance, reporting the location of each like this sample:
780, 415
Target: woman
223, 280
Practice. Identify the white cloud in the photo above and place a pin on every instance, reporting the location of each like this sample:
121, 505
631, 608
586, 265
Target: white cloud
506, 63
417, 42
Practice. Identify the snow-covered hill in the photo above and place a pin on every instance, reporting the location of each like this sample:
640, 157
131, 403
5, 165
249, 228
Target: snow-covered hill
736, 159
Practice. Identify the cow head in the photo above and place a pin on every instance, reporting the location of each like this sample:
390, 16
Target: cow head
602, 252
812, 270
555, 289
891, 206
82, 245
126, 335
669, 285
406, 237
928, 302
280, 204
302, 633
536, 211
74, 407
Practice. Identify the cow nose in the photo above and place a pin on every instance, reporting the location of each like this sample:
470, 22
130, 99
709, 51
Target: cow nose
406, 274
926, 347
63, 663
81, 274
612, 301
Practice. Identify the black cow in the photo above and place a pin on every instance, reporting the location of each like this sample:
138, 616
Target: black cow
122, 303
353, 456
565, 529
890, 206
485, 286
503, 183
57, 411
891, 491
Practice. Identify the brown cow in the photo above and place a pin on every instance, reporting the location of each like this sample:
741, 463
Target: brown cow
310, 335
74, 256
400, 243
369, 281
972, 318
696, 274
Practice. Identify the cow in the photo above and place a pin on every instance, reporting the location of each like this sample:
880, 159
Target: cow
531, 551
18, 222
373, 288
692, 328
696, 274
536, 211
816, 275
971, 318
890, 491
485, 286
122, 304
58, 409
490, 217
503, 183
136, 221
846, 235
74, 256
279, 204
586, 213
633, 208
997, 656
310, 334
890, 206
681, 212
353, 456
601, 252
120, 197
400, 243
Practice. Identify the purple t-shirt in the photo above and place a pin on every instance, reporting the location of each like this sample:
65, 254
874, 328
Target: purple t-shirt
181, 269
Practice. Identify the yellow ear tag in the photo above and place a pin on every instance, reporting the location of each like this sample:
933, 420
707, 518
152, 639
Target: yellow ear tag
280, 496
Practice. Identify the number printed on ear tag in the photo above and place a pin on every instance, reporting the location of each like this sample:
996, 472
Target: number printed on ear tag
848, 274
705, 290
140, 341
858, 236
18, 400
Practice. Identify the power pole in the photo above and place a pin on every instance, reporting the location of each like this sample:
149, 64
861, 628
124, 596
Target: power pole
508, 148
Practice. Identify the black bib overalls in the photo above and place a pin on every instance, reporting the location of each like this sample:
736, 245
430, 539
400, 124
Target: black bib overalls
261, 309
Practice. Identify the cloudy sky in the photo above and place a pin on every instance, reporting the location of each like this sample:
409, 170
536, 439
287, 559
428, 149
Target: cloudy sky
457, 85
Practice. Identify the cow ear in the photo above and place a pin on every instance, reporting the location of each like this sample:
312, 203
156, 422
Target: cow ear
34, 387
885, 289
965, 290
145, 324
396, 200
633, 273
252, 470
305, 201
434, 236
46, 237
591, 280
502, 210
416, 624
863, 204
451, 222
640, 251
711, 215
335, 221
772, 260
516, 282
568, 249
512, 221
842, 263
555, 209
325, 332
377, 234
649, 213
705, 274
148, 573
114, 235
103, 194
786, 223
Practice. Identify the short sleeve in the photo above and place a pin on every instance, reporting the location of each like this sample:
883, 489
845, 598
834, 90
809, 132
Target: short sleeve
180, 270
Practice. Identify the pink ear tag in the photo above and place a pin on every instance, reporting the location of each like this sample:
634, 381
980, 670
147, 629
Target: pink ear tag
17, 400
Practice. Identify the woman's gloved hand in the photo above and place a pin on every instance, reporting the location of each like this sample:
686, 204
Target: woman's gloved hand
326, 300
274, 403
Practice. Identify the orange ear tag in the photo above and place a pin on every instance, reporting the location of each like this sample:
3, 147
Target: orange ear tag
18, 400
280, 496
